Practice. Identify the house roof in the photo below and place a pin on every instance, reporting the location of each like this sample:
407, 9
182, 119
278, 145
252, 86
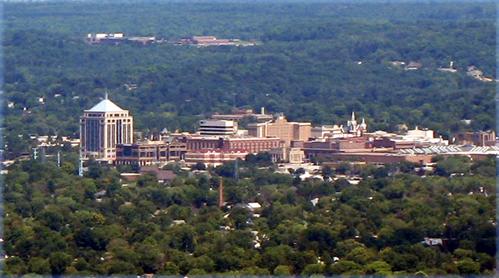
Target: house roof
105, 106
165, 175
254, 205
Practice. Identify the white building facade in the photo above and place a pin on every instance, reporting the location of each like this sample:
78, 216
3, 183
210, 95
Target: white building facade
101, 128
217, 127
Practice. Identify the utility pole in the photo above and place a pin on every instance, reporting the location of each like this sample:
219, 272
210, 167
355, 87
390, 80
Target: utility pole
35, 153
236, 170
80, 168
59, 159
43, 156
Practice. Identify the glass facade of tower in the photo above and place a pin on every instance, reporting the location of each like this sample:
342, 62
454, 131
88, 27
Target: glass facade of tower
93, 133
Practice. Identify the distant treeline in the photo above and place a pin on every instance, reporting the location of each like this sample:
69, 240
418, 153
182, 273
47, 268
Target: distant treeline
308, 66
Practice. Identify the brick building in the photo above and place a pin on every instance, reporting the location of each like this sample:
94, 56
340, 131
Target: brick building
148, 153
247, 144
379, 158
214, 157
251, 144
338, 145
478, 138
202, 142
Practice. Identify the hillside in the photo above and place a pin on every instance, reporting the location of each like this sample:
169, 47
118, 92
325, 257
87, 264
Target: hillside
307, 65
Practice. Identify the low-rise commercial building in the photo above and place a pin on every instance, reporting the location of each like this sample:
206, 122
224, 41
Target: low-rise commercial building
149, 153
398, 143
478, 138
194, 142
213, 157
214, 150
213, 41
324, 131
336, 145
379, 158
117, 38
248, 144
217, 127
239, 114
251, 144
416, 138
474, 152
288, 154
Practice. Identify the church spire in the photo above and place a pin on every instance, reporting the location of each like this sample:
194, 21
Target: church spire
363, 125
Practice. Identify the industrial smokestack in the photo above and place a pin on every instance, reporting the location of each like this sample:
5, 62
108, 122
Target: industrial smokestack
221, 193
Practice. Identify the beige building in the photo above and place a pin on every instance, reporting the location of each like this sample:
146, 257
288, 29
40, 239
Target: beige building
324, 131
282, 129
103, 127
288, 154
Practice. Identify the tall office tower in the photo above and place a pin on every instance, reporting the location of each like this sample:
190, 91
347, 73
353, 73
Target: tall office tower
101, 128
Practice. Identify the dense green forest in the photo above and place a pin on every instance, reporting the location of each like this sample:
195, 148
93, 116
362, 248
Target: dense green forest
315, 62
57, 222
306, 65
